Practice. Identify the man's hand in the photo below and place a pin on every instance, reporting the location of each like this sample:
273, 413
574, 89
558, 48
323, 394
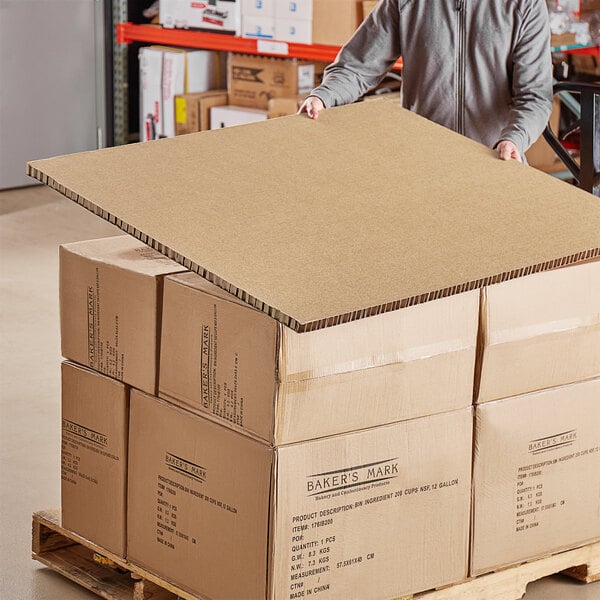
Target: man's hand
312, 106
508, 151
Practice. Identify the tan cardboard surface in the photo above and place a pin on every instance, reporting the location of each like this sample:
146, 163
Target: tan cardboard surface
95, 421
536, 475
368, 209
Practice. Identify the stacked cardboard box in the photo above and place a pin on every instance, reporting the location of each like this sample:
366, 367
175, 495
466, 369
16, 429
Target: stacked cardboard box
537, 441
192, 111
110, 304
254, 81
281, 469
305, 457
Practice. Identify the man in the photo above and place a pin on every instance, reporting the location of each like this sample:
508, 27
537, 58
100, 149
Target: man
480, 67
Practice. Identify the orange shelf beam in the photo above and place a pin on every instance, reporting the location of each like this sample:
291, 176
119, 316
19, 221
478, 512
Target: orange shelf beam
155, 34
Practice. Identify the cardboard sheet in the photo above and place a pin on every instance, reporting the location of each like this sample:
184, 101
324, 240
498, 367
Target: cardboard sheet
368, 209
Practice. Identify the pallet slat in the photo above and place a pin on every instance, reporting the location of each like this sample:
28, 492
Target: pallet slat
73, 557
582, 564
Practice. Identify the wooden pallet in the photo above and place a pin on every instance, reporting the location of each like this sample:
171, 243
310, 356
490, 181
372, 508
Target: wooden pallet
113, 578
510, 583
93, 567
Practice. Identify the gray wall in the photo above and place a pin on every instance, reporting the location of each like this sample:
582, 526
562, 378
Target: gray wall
51, 82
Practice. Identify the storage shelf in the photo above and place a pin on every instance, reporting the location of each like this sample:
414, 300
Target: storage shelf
155, 34
589, 50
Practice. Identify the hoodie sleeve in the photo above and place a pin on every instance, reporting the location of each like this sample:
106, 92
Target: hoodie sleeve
531, 79
365, 58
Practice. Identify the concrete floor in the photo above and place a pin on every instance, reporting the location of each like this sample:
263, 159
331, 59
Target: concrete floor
33, 222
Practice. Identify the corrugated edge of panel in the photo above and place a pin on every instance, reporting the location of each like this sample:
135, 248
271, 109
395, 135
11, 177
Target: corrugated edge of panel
288, 320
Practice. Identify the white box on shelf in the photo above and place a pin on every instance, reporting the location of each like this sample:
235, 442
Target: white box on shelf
228, 116
219, 15
259, 27
295, 9
298, 31
264, 8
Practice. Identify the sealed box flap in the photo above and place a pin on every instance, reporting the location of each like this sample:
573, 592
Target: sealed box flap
124, 252
366, 210
544, 303
443, 326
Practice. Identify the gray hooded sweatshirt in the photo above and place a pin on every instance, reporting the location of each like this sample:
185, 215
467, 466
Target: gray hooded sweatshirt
480, 67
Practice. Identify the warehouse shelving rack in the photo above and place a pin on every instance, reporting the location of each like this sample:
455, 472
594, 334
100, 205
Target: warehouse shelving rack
127, 33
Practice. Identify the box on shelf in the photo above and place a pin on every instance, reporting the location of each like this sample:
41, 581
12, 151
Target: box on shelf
261, 27
167, 72
229, 116
540, 155
568, 38
294, 9
536, 475
151, 105
253, 80
367, 7
284, 105
589, 65
328, 516
540, 331
95, 421
110, 299
334, 21
264, 8
214, 15
298, 31
192, 111
227, 360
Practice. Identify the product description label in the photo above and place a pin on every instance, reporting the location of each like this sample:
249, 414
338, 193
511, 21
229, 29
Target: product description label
104, 354
219, 384
533, 500
76, 440
318, 550
171, 498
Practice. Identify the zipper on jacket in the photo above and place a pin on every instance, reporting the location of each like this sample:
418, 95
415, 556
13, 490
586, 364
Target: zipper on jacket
461, 35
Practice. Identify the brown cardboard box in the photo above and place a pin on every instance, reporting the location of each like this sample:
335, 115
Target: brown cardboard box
568, 38
540, 155
253, 80
284, 106
192, 111
590, 65
334, 21
95, 421
384, 210
227, 517
536, 475
590, 5
230, 361
540, 331
367, 7
110, 299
